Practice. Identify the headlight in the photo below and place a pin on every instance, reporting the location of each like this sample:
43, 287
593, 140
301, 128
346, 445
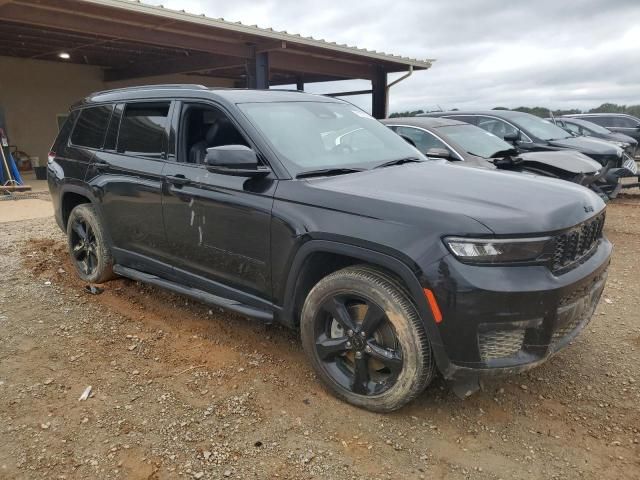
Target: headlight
491, 251
620, 144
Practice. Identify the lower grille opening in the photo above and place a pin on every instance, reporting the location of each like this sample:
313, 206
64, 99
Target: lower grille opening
496, 344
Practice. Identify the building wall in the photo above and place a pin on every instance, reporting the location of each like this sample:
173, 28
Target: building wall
34, 92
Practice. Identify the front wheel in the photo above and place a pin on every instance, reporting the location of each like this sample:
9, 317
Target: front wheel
365, 339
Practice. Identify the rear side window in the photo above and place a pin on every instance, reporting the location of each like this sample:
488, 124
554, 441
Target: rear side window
603, 121
143, 129
65, 130
91, 126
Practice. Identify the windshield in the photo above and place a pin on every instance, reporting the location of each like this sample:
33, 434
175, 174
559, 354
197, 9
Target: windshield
309, 136
474, 140
540, 128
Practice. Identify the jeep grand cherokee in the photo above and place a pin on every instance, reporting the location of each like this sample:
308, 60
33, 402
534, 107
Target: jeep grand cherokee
303, 209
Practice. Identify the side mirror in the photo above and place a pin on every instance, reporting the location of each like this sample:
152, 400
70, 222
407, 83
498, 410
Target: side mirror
439, 153
512, 137
237, 160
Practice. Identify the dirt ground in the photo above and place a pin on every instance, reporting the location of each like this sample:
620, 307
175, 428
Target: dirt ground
182, 391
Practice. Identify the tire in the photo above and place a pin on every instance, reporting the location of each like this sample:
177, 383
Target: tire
396, 353
88, 248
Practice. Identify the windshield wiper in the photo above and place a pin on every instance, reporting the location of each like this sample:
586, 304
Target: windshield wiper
400, 161
325, 172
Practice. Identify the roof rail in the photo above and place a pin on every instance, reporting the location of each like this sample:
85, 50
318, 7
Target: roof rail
186, 86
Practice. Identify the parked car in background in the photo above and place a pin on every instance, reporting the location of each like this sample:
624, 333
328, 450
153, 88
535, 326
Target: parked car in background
459, 141
580, 127
302, 209
529, 133
616, 122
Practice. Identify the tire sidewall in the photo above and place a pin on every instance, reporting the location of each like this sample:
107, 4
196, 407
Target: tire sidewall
103, 271
408, 384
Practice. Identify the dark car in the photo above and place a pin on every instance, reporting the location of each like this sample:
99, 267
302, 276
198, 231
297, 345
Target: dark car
304, 209
530, 134
581, 127
616, 122
462, 142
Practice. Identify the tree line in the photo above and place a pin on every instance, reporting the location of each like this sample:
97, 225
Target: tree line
544, 112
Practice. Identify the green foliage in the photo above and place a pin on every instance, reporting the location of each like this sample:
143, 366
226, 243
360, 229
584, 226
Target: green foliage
412, 113
544, 112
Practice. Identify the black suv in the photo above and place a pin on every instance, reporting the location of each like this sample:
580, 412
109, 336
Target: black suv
304, 209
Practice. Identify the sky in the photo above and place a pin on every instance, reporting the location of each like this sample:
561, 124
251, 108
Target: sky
510, 53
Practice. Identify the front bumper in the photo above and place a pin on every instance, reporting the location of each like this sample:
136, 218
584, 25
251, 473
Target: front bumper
502, 320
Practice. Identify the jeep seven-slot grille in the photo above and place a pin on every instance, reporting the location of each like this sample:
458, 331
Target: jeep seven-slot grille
576, 243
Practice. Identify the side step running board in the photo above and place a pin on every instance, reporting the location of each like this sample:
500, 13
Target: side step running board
194, 293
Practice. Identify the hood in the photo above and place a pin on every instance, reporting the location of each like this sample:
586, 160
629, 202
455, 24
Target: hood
621, 137
567, 160
586, 145
504, 202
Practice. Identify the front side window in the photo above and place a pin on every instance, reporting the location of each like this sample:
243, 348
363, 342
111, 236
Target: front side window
474, 140
421, 139
540, 128
572, 127
91, 126
498, 127
204, 127
323, 135
143, 129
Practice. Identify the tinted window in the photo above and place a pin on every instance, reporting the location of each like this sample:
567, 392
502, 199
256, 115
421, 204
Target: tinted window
498, 127
91, 126
65, 130
474, 140
572, 127
602, 121
625, 122
142, 129
422, 140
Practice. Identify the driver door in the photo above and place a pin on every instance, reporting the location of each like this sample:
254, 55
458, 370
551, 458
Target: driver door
217, 226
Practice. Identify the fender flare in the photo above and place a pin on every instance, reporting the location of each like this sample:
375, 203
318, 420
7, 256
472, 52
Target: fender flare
384, 260
86, 191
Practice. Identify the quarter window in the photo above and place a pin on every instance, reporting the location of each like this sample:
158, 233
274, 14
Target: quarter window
143, 129
91, 126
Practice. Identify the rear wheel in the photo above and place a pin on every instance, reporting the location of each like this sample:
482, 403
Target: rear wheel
88, 248
366, 340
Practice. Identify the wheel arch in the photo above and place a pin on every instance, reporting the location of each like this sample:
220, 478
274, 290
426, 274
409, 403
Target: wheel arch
70, 197
304, 274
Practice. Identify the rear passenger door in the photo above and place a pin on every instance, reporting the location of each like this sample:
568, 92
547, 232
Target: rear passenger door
127, 178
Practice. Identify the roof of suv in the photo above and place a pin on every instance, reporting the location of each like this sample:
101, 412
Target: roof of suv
232, 95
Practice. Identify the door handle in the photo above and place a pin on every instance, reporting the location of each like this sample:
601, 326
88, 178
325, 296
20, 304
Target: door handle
178, 180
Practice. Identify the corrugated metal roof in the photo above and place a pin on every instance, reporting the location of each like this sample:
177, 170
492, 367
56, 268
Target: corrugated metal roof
269, 33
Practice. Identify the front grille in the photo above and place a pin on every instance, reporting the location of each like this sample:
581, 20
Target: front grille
573, 245
496, 344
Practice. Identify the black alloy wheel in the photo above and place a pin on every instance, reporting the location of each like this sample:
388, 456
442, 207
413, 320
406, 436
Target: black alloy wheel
365, 339
357, 345
84, 247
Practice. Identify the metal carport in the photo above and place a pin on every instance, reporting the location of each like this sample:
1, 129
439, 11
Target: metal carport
132, 41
